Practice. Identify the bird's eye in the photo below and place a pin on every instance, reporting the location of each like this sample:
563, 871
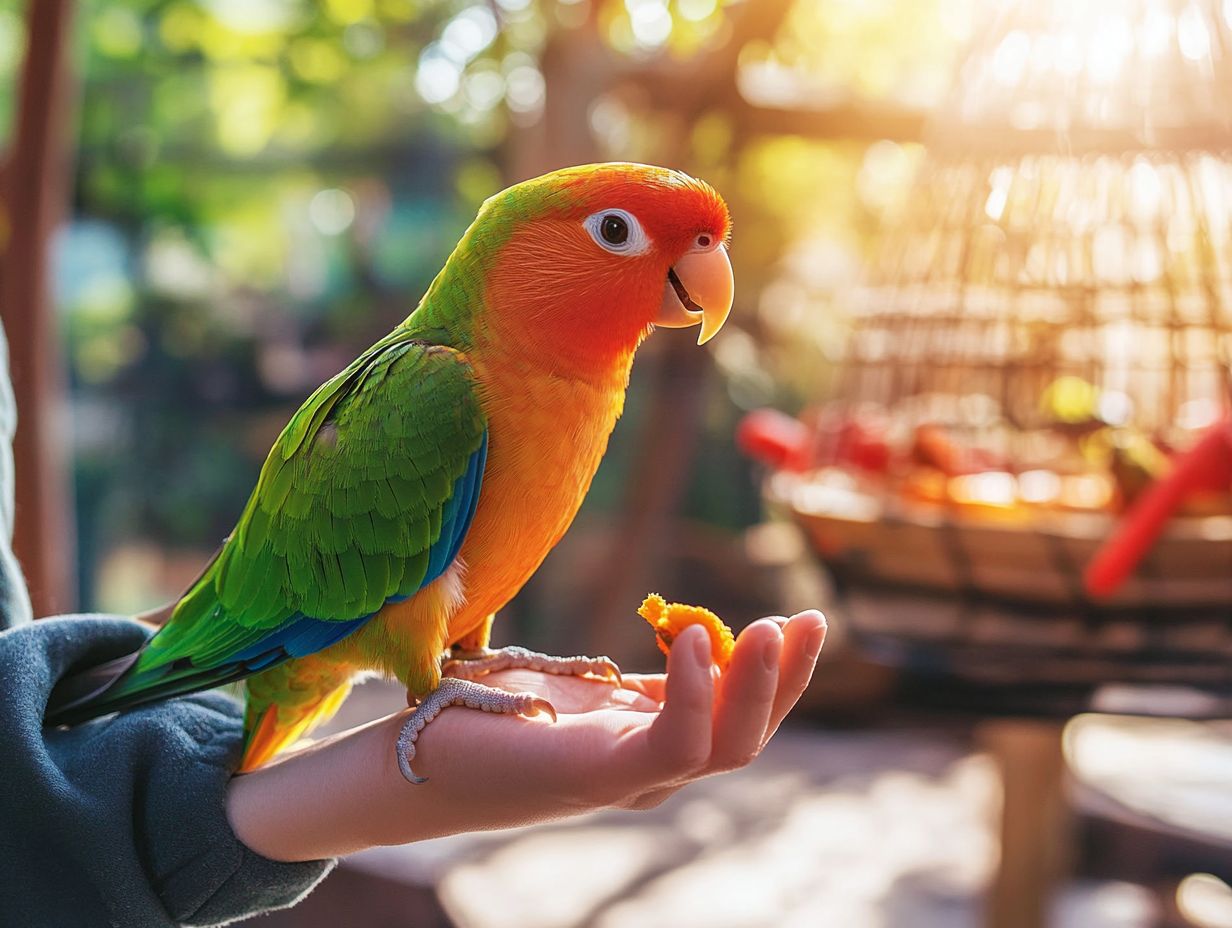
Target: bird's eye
617, 231
703, 241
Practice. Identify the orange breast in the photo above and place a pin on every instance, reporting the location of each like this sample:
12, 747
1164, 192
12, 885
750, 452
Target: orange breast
547, 435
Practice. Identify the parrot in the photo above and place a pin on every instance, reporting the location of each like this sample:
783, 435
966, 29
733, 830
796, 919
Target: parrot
414, 493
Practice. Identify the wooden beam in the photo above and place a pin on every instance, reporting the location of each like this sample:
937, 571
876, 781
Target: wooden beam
33, 197
866, 121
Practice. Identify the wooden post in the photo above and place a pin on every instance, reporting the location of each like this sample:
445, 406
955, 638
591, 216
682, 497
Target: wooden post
1035, 820
33, 195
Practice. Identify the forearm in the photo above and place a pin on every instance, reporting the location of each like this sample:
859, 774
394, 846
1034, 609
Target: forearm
607, 746
346, 793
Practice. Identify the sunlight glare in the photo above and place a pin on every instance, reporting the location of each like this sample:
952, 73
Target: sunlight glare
251, 16
1155, 33
484, 89
332, 211
438, 77
1109, 48
1010, 58
698, 10
1192, 34
469, 33
1146, 191
998, 196
524, 89
650, 21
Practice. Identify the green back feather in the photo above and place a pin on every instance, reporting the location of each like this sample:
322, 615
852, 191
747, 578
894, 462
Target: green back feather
346, 510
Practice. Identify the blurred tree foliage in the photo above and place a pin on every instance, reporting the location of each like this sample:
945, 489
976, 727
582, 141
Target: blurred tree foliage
264, 186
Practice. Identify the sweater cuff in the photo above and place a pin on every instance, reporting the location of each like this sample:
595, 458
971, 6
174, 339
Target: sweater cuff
242, 883
214, 878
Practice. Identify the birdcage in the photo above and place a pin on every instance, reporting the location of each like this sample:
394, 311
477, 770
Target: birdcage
1044, 332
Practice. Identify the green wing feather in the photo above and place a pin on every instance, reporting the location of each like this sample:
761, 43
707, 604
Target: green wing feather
352, 507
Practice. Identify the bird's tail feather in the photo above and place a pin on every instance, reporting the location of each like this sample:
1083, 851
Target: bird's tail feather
276, 728
122, 683
111, 687
73, 693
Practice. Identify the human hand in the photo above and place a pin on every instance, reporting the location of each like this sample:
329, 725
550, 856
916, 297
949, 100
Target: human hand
628, 747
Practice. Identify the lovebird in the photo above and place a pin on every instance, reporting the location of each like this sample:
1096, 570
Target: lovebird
413, 494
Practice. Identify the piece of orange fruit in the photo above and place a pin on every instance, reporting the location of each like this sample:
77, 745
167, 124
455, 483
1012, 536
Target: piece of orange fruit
670, 619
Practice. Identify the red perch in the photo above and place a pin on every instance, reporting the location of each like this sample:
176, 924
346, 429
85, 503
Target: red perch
1207, 463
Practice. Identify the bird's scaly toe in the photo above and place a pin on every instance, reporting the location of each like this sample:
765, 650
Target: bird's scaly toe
471, 665
454, 691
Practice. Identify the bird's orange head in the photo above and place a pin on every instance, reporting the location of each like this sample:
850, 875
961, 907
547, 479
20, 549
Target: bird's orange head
576, 267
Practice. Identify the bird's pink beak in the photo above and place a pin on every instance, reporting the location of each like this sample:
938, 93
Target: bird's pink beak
699, 289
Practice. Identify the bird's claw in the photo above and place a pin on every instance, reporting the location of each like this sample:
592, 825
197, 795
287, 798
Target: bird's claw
454, 691
611, 673
539, 705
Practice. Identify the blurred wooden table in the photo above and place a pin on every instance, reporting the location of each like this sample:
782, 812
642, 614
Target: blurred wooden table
1036, 821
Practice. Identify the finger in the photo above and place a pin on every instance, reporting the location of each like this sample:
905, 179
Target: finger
679, 739
802, 641
653, 685
746, 696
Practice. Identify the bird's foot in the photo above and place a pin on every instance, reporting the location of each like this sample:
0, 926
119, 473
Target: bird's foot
471, 665
456, 692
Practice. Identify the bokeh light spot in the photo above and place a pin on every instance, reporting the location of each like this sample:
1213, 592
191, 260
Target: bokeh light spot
332, 211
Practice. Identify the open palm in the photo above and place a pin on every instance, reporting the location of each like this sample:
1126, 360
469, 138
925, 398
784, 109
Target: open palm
661, 731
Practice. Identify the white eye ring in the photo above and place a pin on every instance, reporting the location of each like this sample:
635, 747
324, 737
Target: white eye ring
704, 241
617, 231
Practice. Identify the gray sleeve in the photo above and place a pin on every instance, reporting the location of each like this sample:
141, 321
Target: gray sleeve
121, 821
14, 600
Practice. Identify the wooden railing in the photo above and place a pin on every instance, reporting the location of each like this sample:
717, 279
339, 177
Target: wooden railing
32, 193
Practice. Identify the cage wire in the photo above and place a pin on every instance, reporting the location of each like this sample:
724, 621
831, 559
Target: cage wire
1047, 321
